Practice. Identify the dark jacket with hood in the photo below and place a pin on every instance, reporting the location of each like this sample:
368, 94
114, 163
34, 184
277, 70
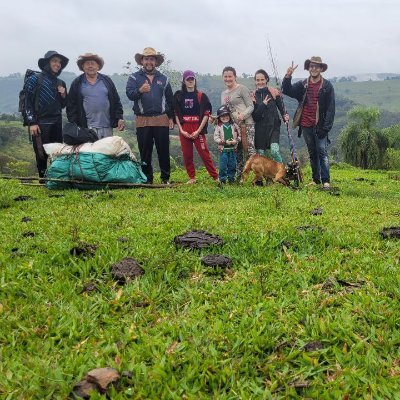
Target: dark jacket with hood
266, 118
325, 105
75, 111
205, 107
154, 103
50, 103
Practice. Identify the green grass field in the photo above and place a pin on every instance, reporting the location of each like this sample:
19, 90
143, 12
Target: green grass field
309, 309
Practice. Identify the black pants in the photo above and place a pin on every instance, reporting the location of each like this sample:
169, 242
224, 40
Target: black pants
147, 137
49, 133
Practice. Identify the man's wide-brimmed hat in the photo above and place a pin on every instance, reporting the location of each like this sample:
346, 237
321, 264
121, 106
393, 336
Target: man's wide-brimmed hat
49, 55
315, 60
147, 52
90, 57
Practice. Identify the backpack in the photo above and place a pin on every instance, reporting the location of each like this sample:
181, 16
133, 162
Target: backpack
22, 93
74, 135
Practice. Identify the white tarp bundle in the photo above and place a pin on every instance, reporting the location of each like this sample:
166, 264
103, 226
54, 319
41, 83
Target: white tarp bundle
113, 146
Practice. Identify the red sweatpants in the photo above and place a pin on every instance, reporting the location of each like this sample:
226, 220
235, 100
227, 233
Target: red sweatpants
201, 147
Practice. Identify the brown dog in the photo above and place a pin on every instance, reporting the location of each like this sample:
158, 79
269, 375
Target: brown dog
264, 167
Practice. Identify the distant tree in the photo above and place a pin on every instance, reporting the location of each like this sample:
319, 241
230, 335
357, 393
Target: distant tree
362, 143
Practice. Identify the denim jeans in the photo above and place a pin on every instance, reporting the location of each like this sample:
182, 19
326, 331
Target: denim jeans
317, 150
227, 166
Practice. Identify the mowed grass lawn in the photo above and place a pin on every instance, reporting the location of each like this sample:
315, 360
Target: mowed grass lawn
309, 308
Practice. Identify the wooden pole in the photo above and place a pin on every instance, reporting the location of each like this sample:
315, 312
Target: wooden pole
105, 184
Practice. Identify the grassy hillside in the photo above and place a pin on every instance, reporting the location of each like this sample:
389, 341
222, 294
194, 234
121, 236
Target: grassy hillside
309, 308
382, 94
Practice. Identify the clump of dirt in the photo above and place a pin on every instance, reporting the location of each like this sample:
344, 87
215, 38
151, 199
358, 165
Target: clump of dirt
286, 244
28, 234
96, 380
313, 346
360, 179
127, 269
197, 239
89, 287
332, 190
330, 284
312, 228
216, 260
23, 198
122, 239
390, 232
83, 250
317, 211
55, 195
26, 219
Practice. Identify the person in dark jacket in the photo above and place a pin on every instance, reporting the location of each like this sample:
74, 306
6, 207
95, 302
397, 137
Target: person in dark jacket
314, 115
152, 98
267, 102
192, 109
45, 98
93, 100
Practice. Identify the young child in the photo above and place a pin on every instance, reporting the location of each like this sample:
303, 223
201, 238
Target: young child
227, 136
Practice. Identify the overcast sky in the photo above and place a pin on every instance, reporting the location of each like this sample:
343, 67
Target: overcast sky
351, 36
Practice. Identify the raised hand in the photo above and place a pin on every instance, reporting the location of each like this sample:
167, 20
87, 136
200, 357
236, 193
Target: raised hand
290, 70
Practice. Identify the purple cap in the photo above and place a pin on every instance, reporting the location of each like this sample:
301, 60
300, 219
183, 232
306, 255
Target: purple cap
188, 74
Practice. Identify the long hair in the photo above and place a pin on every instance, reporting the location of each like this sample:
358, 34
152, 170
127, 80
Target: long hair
183, 87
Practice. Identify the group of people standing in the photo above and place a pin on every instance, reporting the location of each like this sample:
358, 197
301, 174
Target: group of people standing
246, 123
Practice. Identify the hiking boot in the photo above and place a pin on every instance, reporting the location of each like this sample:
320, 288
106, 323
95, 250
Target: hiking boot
165, 182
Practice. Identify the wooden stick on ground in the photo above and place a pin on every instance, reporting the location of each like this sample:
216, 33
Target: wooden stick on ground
105, 184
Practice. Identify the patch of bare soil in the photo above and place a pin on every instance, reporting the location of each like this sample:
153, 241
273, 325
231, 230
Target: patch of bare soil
23, 198
390, 232
216, 260
317, 211
125, 270
197, 239
83, 250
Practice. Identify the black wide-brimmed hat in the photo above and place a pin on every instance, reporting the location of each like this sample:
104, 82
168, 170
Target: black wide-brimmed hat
50, 54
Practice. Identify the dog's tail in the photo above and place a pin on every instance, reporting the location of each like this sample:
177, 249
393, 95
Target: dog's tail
247, 168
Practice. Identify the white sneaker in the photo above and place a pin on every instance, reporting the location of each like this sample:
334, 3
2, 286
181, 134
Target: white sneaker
191, 182
327, 185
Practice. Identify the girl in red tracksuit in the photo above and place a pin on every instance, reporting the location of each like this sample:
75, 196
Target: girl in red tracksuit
192, 109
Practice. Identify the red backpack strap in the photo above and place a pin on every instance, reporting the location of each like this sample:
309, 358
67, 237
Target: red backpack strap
199, 95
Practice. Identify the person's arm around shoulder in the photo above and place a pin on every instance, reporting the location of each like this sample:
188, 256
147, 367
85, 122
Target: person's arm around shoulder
119, 111
62, 91
72, 102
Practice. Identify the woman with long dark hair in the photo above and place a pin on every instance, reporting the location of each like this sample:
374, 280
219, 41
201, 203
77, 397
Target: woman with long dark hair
192, 109
267, 103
